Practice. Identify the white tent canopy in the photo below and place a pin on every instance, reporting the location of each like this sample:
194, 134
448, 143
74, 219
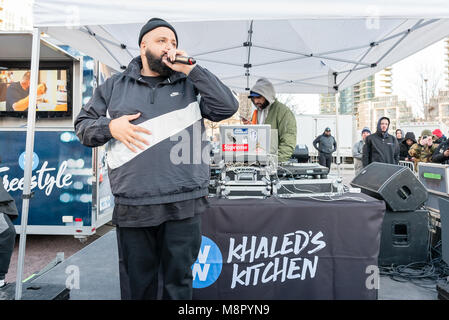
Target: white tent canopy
301, 47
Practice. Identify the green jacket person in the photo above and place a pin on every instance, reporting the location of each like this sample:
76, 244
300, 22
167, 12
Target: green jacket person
279, 116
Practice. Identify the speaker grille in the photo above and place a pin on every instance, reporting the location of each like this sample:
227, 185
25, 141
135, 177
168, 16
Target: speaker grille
374, 176
396, 185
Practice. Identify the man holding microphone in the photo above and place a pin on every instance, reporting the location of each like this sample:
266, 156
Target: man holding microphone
158, 199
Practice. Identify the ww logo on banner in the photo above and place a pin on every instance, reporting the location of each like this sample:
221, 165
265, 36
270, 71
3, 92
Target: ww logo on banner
208, 265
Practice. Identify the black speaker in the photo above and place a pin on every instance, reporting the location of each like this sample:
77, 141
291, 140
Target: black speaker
396, 185
404, 238
301, 153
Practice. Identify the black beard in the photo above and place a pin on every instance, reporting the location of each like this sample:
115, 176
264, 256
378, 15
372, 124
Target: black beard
264, 105
156, 65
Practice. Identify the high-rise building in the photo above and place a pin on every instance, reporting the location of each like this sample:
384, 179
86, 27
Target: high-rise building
439, 107
446, 67
377, 85
346, 101
383, 82
327, 102
389, 106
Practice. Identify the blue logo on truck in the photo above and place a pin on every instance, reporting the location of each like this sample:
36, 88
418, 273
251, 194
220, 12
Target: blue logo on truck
22, 160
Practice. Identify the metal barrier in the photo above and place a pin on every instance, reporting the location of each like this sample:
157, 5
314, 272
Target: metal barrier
408, 164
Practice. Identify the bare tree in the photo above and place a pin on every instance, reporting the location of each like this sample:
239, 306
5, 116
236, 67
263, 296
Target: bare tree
428, 83
300, 103
288, 100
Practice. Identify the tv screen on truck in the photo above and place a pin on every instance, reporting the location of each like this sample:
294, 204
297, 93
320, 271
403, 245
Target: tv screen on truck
53, 91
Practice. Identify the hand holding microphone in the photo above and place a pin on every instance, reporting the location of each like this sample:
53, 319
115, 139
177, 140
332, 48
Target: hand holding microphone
185, 60
180, 61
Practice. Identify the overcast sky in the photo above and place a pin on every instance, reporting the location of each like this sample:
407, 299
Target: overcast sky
428, 62
407, 79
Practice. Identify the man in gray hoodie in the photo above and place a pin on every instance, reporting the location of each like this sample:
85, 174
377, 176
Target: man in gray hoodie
270, 111
326, 145
151, 115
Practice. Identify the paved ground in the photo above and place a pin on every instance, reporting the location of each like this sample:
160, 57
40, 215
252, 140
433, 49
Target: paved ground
346, 174
42, 249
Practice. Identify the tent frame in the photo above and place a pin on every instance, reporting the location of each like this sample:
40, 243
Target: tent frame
248, 44
31, 122
357, 64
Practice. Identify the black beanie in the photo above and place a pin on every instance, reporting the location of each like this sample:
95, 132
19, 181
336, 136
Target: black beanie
153, 24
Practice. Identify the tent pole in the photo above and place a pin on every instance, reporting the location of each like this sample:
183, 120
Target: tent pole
405, 34
247, 65
355, 66
337, 106
105, 48
26, 196
312, 55
121, 45
415, 27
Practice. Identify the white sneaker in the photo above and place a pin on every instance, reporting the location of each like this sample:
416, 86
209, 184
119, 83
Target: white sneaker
2, 283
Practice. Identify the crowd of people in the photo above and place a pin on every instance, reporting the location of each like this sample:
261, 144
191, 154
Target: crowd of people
430, 146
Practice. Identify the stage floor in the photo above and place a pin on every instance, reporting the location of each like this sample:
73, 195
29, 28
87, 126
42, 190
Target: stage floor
97, 266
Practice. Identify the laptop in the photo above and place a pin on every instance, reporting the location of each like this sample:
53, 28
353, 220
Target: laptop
246, 143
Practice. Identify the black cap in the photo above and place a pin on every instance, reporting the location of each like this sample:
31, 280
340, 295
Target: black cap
327, 129
154, 23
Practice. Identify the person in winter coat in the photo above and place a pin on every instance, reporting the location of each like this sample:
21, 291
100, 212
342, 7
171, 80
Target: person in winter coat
326, 145
439, 136
152, 117
399, 135
357, 150
424, 149
381, 146
270, 111
408, 141
441, 153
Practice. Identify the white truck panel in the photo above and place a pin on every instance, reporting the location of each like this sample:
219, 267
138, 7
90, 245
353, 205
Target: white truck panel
310, 126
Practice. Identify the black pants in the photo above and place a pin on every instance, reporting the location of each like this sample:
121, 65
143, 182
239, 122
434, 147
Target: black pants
7, 241
173, 246
325, 159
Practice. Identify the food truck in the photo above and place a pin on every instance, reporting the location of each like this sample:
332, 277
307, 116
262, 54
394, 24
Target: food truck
70, 187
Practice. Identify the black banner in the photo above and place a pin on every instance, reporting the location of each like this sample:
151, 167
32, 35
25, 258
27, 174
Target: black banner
296, 248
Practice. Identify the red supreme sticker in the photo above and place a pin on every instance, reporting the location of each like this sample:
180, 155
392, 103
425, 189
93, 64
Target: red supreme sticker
234, 147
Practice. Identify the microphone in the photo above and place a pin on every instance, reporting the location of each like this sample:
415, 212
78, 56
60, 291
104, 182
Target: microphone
185, 60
